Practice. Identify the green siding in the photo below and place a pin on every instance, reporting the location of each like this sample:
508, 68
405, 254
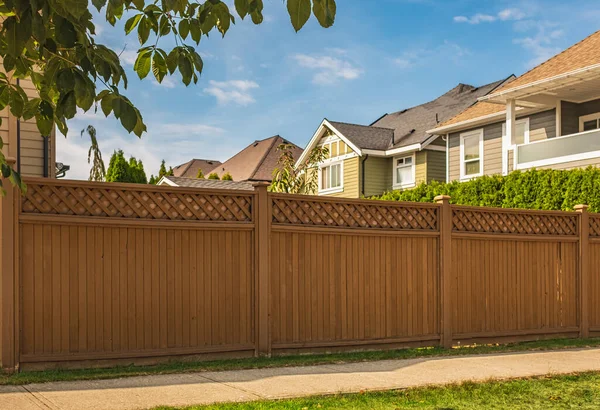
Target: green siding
378, 175
436, 166
351, 179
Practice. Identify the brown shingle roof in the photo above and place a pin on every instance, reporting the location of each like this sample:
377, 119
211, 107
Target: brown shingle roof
190, 168
583, 54
257, 161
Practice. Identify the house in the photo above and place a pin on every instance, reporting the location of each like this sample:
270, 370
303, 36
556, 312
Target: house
257, 161
35, 154
190, 169
547, 118
205, 183
254, 163
395, 152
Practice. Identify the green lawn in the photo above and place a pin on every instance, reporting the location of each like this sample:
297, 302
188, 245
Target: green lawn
580, 391
285, 361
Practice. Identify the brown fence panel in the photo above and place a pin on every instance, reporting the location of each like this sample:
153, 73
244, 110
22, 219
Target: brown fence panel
118, 281
594, 274
514, 273
341, 277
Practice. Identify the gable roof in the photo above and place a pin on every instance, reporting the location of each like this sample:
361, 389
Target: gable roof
411, 125
257, 161
365, 136
205, 183
190, 168
583, 54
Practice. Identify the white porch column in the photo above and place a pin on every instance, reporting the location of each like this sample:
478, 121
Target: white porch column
511, 109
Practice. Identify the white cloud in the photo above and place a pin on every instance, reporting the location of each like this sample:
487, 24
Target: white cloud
128, 57
167, 82
541, 46
510, 14
329, 69
234, 91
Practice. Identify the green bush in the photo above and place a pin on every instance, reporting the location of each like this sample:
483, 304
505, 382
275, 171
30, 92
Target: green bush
214, 175
533, 189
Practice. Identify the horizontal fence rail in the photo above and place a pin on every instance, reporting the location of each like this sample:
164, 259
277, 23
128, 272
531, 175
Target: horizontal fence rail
97, 273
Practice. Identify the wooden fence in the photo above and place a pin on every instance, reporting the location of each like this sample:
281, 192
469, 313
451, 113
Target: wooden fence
97, 274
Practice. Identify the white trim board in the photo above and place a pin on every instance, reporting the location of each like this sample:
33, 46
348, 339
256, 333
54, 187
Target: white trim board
474, 133
325, 124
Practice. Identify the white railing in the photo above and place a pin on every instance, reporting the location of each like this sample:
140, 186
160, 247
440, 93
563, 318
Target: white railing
574, 147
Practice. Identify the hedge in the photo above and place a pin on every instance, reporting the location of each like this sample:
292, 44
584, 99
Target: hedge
533, 189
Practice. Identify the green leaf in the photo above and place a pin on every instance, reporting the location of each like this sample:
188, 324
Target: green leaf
38, 28
44, 123
84, 92
324, 11
76, 7
223, 17
132, 23
67, 105
99, 4
172, 59
31, 108
185, 68
65, 32
195, 30
242, 8
16, 102
106, 104
65, 80
15, 178
6, 170
125, 112
9, 63
17, 34
299, 11
142, 63
184, 28
197, 60
159, 67
143, 30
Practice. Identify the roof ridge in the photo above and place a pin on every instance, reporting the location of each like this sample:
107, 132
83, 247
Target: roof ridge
558, 54
266, 154
360, 125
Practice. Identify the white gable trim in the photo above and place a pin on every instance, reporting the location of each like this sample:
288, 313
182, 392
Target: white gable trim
166, 181
317, 137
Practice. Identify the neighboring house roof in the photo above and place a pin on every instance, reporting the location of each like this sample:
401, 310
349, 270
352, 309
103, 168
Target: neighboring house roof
205, 183
365, 136
257, 161
190, 168
411, 125
581, 55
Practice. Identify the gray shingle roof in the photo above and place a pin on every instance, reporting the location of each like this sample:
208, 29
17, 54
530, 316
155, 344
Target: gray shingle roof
410, 126
209, 183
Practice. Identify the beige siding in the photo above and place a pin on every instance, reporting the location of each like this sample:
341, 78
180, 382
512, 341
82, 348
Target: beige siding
436, 166
541, 126
378, 175
420, 167
351, 179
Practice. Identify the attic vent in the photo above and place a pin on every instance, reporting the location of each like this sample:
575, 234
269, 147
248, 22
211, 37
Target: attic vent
209, 162
437, 118
403, 111
255, 144
413, 130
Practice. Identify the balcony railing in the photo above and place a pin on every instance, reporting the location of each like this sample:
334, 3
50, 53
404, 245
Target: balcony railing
574, 147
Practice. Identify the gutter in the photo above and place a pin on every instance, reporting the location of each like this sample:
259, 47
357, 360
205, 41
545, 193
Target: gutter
362, 188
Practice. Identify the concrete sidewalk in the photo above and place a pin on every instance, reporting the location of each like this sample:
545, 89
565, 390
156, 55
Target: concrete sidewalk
244, 385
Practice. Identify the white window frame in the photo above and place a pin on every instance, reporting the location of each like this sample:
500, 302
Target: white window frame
475, 133
586, 118
396, 184
336, 189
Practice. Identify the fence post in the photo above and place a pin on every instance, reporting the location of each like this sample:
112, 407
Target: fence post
8, 278
445, 223
263, 295
584, 234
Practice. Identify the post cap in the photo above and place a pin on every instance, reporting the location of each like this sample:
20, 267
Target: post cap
581, 207
11, 161
259, 184
441, 198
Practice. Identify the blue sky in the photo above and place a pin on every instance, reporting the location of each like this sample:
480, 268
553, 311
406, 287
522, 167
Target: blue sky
380, 56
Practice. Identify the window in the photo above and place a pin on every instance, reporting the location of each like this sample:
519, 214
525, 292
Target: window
330, 178
404, 171
589, 122
471, 154
334, 148
521, 132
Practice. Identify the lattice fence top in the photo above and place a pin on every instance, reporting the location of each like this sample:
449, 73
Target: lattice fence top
347, 214
523, 222
594, 225
106, 200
